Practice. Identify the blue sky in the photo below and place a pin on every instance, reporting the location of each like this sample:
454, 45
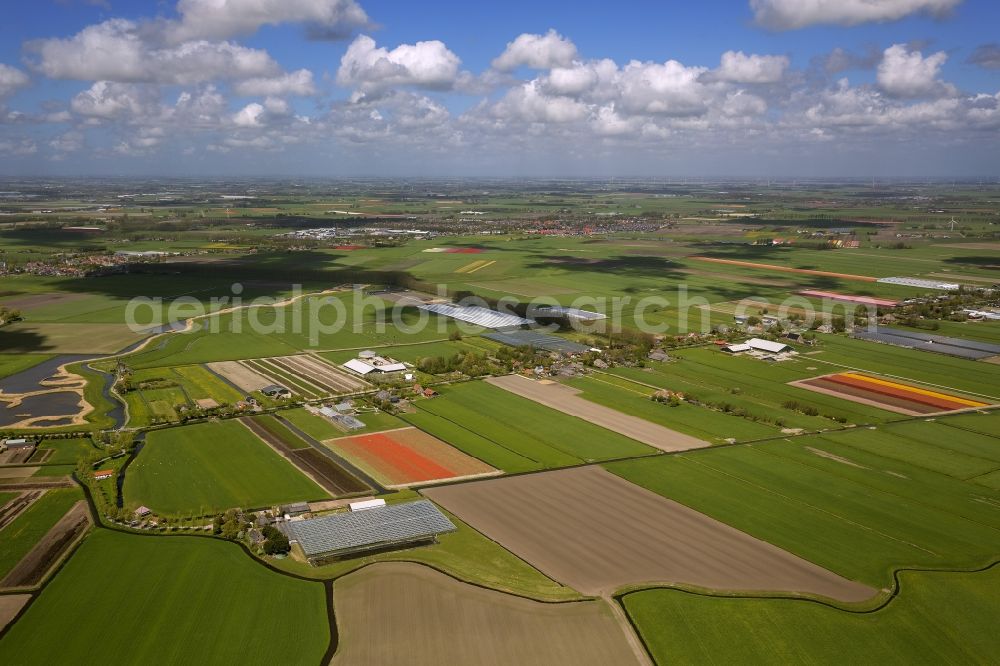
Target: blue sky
736, 87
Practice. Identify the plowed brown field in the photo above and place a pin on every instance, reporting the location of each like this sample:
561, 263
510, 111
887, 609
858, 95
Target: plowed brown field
405, 613
596, 532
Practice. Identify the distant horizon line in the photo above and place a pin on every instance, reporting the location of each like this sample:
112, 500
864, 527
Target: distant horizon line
992, 179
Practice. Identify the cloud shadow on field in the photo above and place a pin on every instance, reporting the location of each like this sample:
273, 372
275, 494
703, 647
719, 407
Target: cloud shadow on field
23, 342
979, 261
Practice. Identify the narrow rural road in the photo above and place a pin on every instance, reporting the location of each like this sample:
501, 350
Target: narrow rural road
641, 656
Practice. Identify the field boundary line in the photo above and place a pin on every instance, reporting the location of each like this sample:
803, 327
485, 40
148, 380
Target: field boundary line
604, 381
492, 441
583, 598
973, 478
857, 609
374, 432
944, 421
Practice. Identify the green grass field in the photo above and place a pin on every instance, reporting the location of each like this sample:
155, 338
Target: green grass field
24, 532
414, 352
327, 323
374, 422
11, 364
850, 510
66, 451
199, 383
72, 338
55, 470
276, 428
316, 427
933, 445
168, 600
175, 387
699, 421
208, 467
484, 447
758, 387
985, 424
939, 618
516, 434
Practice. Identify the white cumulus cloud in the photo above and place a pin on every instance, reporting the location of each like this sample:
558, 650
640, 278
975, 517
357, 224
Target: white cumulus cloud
121, 50
738, 67
222, 19
906, 73
11, 79
368, 67
108, 99
670, 89
299, 82
249, 115
529, 103
792, 14
536, 51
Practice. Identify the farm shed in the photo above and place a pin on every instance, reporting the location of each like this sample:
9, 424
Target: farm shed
100, 475
295, 509
758, 344
273, 390
372, 529
376, 364
359, 366
366, 504
736, 348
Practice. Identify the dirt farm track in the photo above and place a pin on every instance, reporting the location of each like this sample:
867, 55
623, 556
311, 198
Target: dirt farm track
405, 613
597, 532
565, 399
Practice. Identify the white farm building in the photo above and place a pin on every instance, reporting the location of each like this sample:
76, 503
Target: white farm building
758, 345
365, 365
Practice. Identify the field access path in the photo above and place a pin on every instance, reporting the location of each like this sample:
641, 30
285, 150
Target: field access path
567, 400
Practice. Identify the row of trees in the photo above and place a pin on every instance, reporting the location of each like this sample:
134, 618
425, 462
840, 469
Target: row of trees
235, 525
